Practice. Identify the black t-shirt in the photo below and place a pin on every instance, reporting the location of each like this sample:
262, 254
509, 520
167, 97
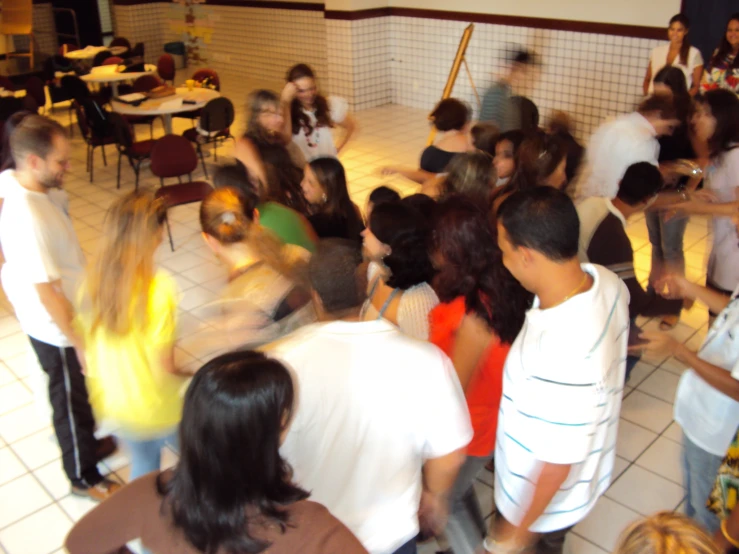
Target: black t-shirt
435, 160
332, 225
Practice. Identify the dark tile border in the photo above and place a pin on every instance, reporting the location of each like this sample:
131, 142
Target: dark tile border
304, 6
517, 21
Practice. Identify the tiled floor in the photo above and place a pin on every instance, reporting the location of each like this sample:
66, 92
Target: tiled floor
36, 510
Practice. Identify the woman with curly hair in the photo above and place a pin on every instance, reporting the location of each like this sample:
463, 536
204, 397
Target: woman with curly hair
400, 270
482, 310
310, 116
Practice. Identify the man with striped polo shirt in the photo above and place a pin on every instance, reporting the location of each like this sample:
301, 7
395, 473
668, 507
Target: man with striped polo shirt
562, 382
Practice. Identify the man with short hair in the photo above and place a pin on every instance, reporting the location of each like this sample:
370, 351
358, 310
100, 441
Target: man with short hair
497, 106
603, 240
563, 378
44, 263
623, 141
381, 421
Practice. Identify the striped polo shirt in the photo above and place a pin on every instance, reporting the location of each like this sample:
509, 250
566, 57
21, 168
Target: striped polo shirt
562, 389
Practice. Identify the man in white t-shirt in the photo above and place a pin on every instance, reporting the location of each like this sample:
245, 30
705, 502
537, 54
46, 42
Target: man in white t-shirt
707, 400
621, 142
563, 378
43, 264
381, 421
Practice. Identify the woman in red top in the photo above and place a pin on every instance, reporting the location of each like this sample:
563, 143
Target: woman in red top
482, 310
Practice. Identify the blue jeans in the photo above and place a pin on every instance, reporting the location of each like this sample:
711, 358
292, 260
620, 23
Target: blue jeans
666, 238
465, 528
146, 454
700, 469
408, 548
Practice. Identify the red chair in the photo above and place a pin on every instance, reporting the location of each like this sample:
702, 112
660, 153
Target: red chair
165, 68
144, 84
120, 41
135, 151
174, 156
6, 83
113, 60
36, 89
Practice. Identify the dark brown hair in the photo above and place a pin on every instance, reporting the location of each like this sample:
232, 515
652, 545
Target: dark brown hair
299, 118
685, 46
538, 157
724, 49
450, 115
724, 106
34, 135
660, 103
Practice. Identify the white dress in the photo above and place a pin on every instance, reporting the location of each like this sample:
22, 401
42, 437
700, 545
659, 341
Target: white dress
658, 59
722, 178
320, 142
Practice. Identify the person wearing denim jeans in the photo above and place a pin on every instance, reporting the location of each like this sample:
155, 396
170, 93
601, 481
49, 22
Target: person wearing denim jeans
666, 237
146, 454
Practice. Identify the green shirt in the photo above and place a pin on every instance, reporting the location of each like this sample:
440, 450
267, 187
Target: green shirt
289, 226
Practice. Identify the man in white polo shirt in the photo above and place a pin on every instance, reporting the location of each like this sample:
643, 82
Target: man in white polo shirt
563, 378
43, 264
381, 421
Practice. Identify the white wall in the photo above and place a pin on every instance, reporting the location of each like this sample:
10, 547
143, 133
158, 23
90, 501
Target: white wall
650, 13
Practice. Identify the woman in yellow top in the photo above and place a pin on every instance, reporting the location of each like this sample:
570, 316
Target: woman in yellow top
127, 317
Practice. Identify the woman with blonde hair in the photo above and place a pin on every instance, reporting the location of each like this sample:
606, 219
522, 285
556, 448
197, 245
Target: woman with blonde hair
264, 297
127, 318
665, 533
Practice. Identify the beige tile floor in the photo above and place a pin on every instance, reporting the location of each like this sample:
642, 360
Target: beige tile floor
36, 510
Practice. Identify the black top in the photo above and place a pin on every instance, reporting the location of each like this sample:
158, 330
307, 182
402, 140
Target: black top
435, 160
283, 176
338, 225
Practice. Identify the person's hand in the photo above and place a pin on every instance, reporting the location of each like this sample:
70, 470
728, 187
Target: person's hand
703, 196
658, 344
432, 513
721, 542
289, 92
672, 286
389, 170
79, 350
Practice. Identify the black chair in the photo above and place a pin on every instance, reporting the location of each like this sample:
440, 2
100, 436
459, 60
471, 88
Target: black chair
95, 128
528, 112
35, 89
137, 51
100, 57
216, 118
9, 105
57, 93
135, 151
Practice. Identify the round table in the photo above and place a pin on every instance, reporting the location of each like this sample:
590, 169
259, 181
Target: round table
90, 52
108, 74
168, 105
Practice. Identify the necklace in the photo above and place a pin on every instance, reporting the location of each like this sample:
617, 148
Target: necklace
574, 291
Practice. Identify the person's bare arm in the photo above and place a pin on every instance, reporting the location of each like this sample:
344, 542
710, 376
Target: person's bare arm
59, 308
432, 187
286, 102
647, 79
695, 207
697, 74
676, 287
247, 154
731, 526
350, 127
417, 175
473, 338
439, 475
166, 358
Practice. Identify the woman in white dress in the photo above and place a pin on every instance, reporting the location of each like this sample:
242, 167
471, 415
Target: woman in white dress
677, 52
310, 116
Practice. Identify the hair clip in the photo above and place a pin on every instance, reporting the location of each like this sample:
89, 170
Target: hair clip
228, 217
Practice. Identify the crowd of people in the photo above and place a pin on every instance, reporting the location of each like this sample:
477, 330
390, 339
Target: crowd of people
366, 365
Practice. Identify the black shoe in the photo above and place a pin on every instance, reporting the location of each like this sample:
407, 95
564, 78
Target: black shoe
105, 447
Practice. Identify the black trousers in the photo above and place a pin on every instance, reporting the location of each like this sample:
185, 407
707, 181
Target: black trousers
74, 423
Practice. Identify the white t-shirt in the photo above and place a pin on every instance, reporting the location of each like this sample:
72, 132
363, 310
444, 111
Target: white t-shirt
658, 59
708, 417
722, 178
372, 405
40, 246
615, 146
562, 389
321, 141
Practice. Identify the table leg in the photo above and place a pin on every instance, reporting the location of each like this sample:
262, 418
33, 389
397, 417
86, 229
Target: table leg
167, 118
114, 88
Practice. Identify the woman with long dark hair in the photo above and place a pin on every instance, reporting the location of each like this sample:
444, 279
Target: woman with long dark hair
722, 70
331, 211
310, 116
482, 310
676, 53
666, 231
230, 492
264, 151
400, 271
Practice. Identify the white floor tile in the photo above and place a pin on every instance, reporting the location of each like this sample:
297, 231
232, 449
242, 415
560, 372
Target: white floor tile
484, 495
38, 449
604, 523
10, 466
661, 384
14, 344
40, 533
12, 396
53, 479
632, 440
647, 411
645, 492
663, 458
574, 544
23, 422
640, 372
76, 506
674, 432
26, 496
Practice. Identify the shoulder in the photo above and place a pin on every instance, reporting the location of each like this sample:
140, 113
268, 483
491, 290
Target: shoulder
695, 54
659, 49
339, 108
328, 534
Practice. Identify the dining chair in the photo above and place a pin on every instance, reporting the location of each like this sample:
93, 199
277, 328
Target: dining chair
100, 57
135, 151
173, 156
120, 41
166, 68
216, 118
144, 84
113, 60
200, 76
95, 128
36, 89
